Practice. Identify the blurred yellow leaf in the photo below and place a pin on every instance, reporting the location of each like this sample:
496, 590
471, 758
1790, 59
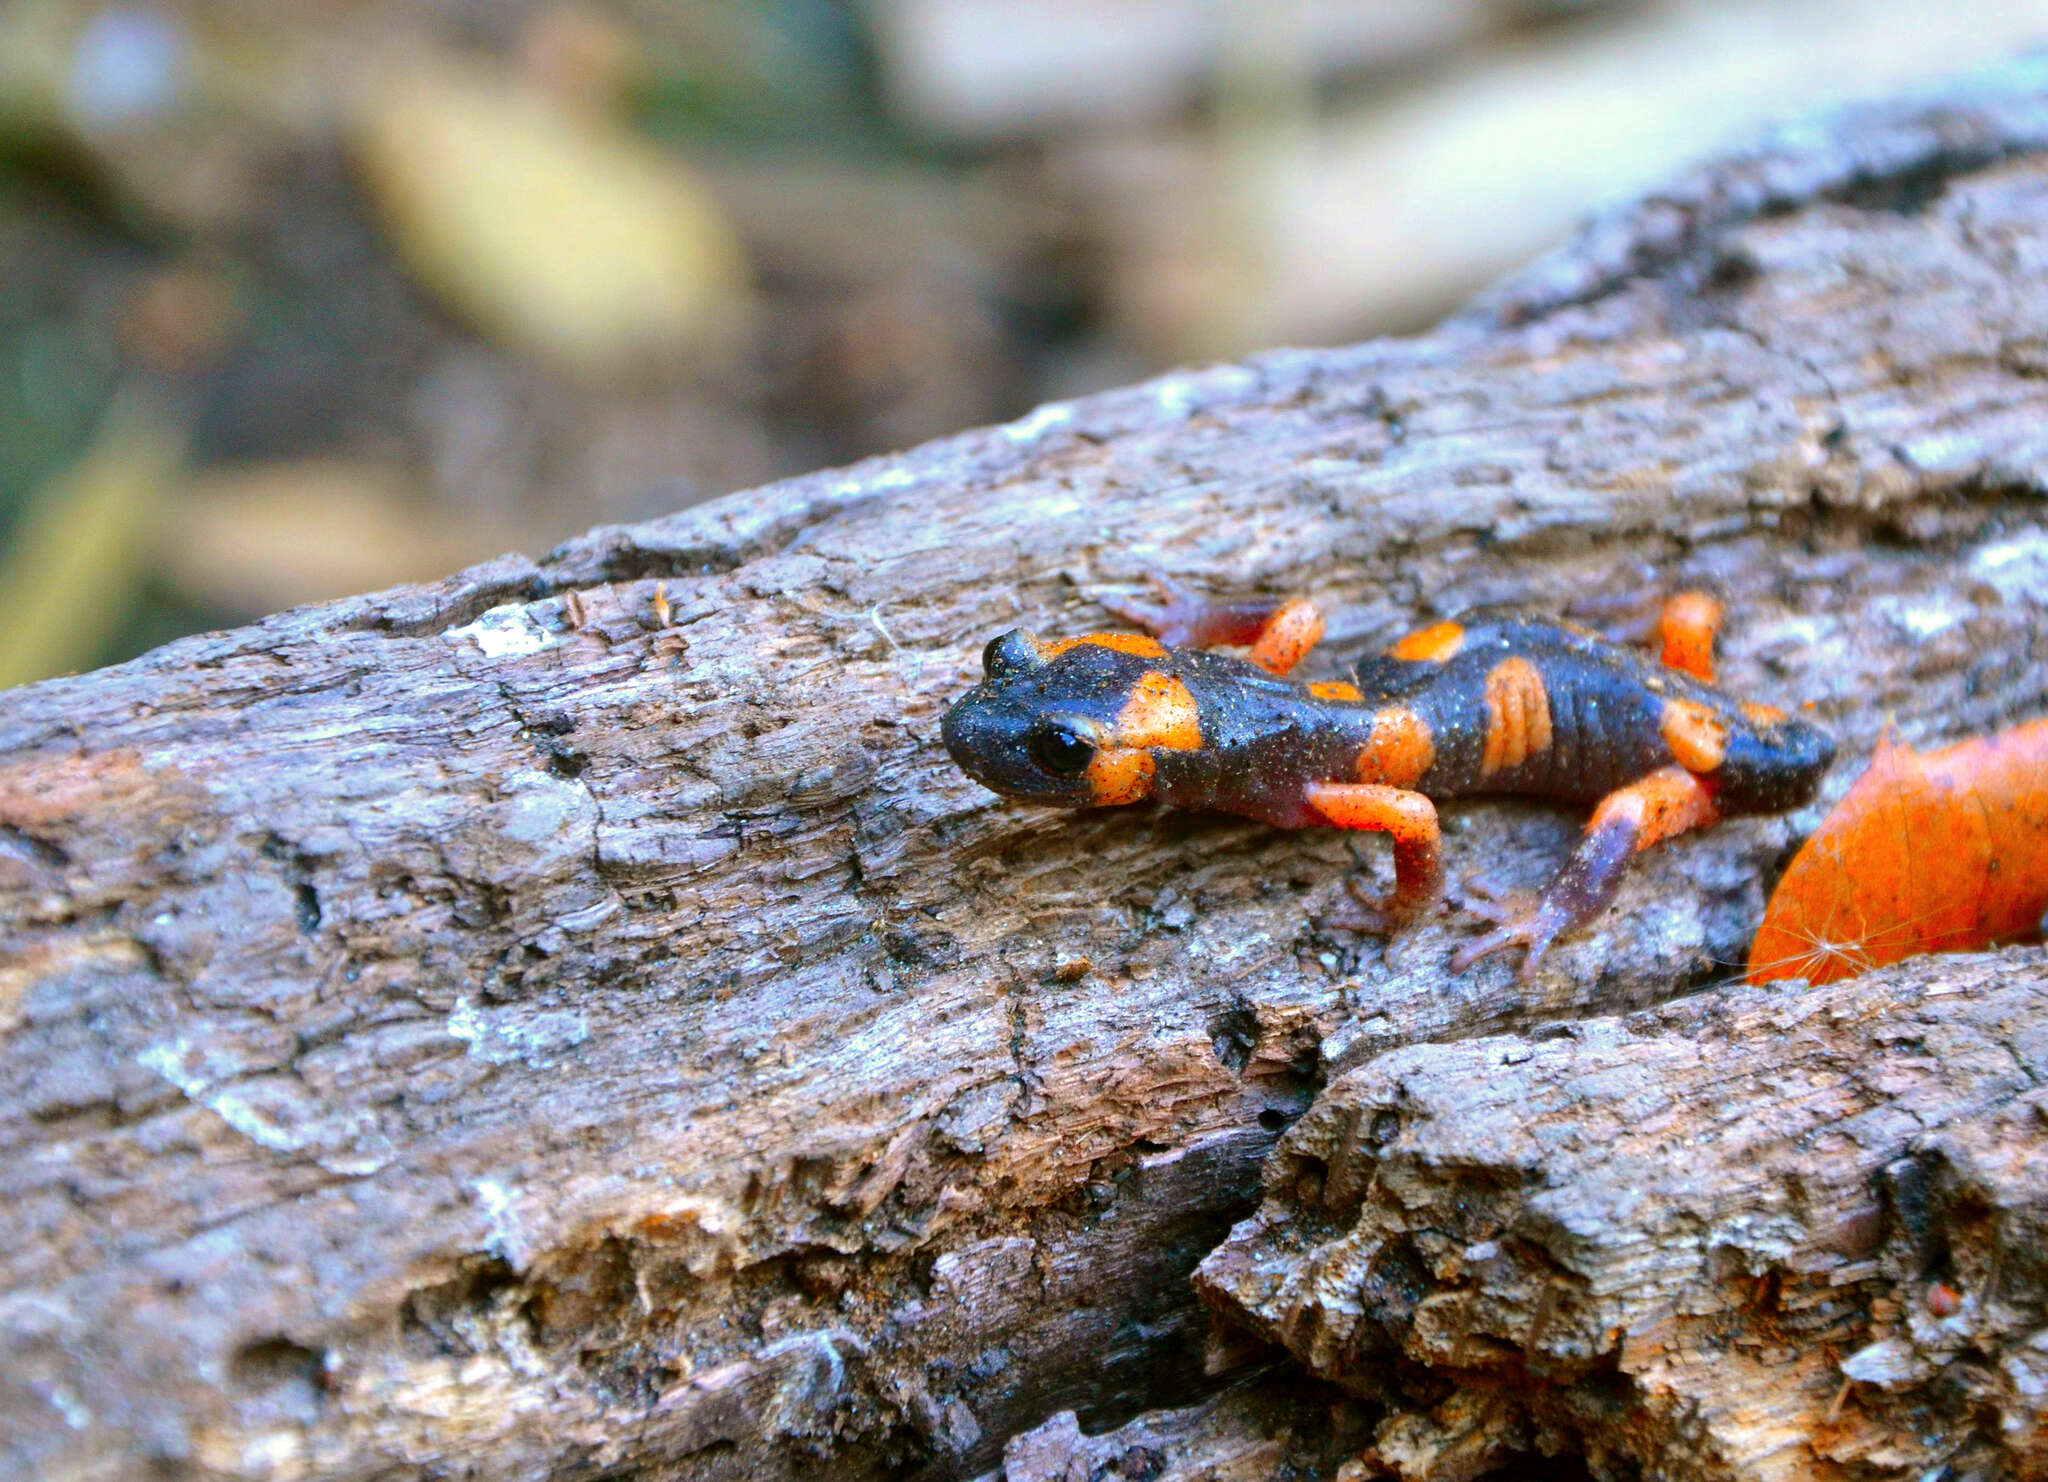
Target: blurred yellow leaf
556, 233
69, 576
257, 537
35, 40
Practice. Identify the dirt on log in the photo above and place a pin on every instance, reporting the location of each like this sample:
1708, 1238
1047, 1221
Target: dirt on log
573, 1020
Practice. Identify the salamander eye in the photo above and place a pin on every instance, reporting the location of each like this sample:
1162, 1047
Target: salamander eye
1061, 751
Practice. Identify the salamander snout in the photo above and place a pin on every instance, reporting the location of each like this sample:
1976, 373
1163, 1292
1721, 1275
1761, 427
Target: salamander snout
1019, 750
1778, 766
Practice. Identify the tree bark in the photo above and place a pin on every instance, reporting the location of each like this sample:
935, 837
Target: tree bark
574, 1020
1757, 1233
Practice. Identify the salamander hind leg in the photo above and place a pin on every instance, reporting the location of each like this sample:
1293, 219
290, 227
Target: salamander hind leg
1669, 801
1410, 818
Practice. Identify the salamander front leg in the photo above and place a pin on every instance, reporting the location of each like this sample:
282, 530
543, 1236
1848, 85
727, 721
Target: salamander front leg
1278, 634
1418, 848
1667, 802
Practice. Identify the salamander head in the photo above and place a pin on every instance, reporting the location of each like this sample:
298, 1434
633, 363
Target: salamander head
1073, 721
1776, 765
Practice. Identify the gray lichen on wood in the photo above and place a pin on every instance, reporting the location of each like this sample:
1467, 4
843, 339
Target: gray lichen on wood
571, 1019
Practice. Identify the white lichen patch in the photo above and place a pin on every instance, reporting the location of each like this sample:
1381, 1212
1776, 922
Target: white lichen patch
2018, 568
1923, 619
504, 632
1179, 395
275, 1111
1174, 396
523, 1036
179, 1062
891, 478
1035, 424
538, 807
503, 1235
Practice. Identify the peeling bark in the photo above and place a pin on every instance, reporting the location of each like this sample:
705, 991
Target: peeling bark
1756, 1233
572, 1020
1274, 1428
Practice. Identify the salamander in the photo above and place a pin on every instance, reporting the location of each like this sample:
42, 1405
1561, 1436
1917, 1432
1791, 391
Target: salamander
1502, 703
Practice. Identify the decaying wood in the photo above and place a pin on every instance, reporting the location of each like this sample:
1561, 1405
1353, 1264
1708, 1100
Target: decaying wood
1760, 1232
572, 1019
1276, 1428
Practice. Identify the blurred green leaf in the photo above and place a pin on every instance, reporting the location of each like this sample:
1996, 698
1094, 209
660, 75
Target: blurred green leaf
787, 70
68, 578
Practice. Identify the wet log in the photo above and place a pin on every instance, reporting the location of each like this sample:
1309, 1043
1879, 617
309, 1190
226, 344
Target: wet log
572, 1020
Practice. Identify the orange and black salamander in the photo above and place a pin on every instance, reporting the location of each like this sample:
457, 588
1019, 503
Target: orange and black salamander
1503, 704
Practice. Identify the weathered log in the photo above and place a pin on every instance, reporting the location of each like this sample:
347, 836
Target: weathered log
1275, 1427
1757, 1233
572, 1019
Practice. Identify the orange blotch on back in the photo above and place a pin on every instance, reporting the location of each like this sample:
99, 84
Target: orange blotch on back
1697, 737
1517, 715
1160, 713
1945, 852
1761, 715
1400, 749
1124, 643
1431, 645
1335, 689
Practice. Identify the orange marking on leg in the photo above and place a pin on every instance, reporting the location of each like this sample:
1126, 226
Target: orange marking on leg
1160, 713
1408, 816
1697, 737
1687, 627
1124, 643
1761, 715
1517, 715
1400, 749
1119, 775
1432, 645
1629, 820
1668, 802
1335, 689
1293, 629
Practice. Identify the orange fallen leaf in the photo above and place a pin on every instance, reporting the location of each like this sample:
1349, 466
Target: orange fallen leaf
1941, 852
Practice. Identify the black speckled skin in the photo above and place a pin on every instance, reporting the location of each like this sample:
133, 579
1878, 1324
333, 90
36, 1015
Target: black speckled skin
1264, 739
1606, 710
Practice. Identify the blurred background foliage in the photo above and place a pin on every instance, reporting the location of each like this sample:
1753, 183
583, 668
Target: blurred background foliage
305, 297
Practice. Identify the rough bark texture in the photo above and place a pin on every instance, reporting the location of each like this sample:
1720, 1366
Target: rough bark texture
1771, 1233
572, 1020
1274, 1428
